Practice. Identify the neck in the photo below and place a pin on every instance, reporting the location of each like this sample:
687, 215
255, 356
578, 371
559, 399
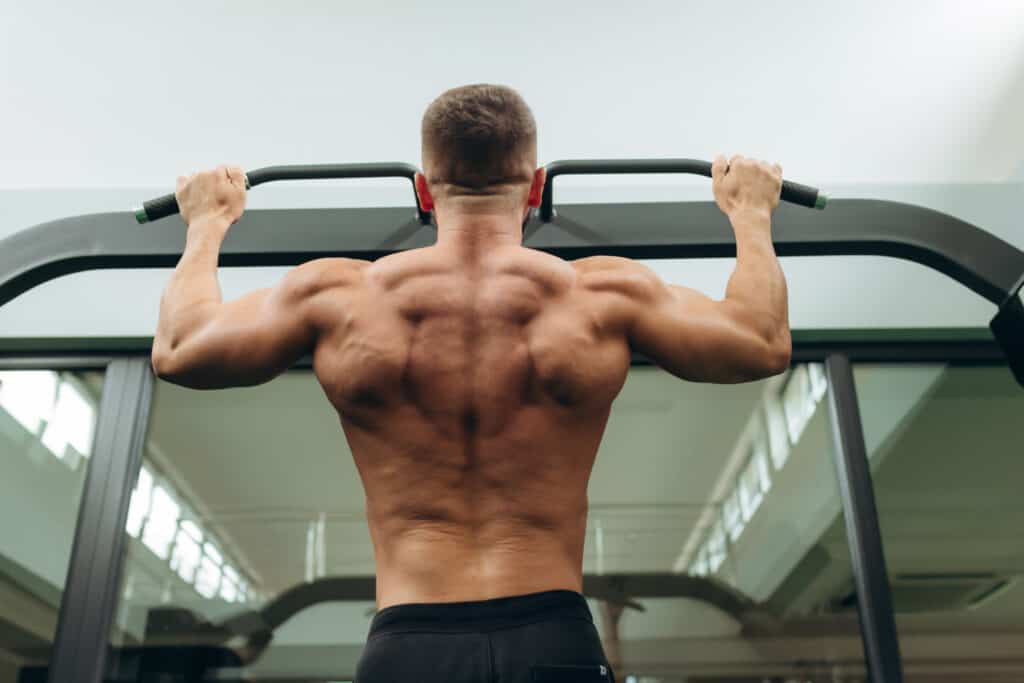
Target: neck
479, 228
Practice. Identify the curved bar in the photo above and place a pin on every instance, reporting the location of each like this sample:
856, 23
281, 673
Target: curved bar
275, 237
792, 192
167, 205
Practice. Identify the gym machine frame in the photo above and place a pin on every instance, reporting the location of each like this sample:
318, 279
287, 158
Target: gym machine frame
975, 258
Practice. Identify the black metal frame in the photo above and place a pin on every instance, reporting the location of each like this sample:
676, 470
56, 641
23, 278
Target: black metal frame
276, 237
863, 533
973, 257
94, 570
977, 259
802, 195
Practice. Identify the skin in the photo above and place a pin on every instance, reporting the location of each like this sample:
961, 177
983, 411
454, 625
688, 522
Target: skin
474, 378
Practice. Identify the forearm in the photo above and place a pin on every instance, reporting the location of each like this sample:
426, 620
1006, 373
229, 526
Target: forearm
193, 293
757, 284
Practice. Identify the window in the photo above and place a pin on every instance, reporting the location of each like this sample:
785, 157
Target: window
801, 393
167, 528
208, 577
52, 407
946, 445
700, 564
138, 508
732, 515
28, 396
187, 552
71, 423
716, 546
162, 523
754, 482
47, 420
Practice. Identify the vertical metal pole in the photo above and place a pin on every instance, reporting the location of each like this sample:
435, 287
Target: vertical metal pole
94, 571
863, 534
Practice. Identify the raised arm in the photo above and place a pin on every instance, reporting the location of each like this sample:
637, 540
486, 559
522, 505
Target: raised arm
205, 343
741, 338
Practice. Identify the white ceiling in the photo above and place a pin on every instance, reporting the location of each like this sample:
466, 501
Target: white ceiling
128, 94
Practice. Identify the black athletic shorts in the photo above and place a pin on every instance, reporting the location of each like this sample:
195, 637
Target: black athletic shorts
540, 638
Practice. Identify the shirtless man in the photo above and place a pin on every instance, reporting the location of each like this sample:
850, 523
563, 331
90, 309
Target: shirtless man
474, 379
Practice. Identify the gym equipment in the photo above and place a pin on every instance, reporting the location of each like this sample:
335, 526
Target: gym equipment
795, 193
977, 259
167, 205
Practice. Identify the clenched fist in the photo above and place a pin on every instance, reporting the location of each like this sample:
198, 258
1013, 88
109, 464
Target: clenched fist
745, 184
217, 194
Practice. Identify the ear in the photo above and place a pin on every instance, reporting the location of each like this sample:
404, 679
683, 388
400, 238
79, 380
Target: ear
537, 187
423, 193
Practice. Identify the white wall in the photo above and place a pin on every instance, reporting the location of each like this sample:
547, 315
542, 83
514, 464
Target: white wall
103, 104
124, 93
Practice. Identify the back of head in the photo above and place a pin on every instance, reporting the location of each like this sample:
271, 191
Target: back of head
479, 140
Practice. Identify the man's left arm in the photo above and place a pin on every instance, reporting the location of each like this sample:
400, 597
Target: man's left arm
205, 343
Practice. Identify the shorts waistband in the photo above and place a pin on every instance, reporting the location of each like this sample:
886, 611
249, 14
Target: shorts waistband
484, 615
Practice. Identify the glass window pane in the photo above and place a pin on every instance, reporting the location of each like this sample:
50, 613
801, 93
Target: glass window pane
28, 397
162, 523
39, 501
71, 423
754, 482
138, 508
798, 402
945, 446
228, 590
186, 556
679, 487
207, 578
732, 515
193, 530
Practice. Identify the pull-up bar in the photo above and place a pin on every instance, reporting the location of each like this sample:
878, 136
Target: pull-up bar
977, 259
794, 193
167, 205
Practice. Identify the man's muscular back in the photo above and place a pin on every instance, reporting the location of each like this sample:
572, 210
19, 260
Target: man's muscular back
474, 378
474, 389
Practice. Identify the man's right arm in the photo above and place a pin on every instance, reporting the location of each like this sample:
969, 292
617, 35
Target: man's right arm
743, 337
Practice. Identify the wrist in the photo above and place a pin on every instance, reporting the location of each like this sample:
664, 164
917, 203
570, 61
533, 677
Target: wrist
750, 214
209, 225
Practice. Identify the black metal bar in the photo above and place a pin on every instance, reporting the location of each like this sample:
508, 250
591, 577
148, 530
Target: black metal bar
923, 344
977, 259
1008, 328
955, 352
982, 262
44, 361
795, 193
167, 205
94, 570
863, 534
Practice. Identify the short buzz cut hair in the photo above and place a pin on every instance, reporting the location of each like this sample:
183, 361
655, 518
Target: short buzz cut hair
478, 138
